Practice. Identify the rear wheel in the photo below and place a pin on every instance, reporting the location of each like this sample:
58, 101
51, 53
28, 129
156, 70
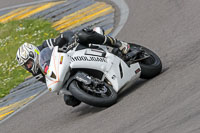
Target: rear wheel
99, 96
150, 66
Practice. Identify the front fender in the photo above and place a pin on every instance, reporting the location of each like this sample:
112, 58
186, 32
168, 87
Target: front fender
79, 76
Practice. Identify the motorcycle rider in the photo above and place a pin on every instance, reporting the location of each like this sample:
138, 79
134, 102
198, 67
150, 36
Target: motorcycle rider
28, 54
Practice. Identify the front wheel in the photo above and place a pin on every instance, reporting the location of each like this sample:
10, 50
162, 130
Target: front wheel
100, 96
151, 66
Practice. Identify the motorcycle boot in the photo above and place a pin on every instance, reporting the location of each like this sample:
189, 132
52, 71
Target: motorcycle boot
71, 101
124, 47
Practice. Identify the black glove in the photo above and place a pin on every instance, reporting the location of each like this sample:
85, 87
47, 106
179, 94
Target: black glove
60, 42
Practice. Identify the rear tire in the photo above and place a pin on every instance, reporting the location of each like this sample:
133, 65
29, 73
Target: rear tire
82, 95
151, 66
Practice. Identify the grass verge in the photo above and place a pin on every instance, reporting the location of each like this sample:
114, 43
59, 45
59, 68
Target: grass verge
13, 35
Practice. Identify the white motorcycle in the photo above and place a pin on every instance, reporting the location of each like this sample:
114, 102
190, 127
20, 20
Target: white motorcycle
94, 75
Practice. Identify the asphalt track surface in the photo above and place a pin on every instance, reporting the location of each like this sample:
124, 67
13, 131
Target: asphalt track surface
168, 103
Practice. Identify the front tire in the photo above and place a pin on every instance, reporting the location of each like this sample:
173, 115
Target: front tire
81, 94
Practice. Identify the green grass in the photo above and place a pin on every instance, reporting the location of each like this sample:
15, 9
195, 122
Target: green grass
13, 35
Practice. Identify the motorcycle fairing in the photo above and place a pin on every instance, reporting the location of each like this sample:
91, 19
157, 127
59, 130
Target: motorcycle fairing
59, 66
114, 69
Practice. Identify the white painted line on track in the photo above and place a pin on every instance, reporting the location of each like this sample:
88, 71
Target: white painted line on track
124, 13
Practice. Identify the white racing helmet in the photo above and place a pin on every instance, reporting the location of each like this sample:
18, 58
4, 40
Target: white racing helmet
28, 52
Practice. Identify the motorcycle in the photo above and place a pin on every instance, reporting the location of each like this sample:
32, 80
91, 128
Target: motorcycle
95, 75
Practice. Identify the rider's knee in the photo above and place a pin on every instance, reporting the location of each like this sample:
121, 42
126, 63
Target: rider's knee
87, 36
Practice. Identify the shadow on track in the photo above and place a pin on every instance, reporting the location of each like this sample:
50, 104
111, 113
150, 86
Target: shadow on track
135, 86
85, 109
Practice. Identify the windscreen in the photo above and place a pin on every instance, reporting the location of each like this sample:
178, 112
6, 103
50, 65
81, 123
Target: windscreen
44, 60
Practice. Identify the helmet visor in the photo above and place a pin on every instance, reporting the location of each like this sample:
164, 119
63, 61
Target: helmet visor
28, 65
